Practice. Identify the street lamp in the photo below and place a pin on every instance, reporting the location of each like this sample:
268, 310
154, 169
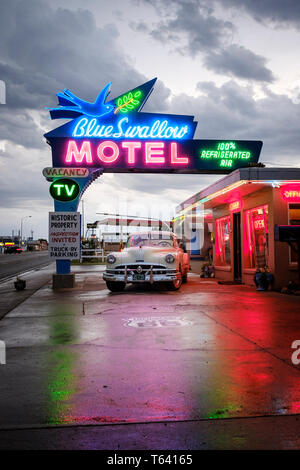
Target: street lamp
25, 217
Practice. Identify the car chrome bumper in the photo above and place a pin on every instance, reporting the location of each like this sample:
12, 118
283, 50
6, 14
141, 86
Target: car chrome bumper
150, 275
155, 278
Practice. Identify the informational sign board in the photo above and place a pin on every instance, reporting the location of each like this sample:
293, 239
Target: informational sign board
116, 137
64, 235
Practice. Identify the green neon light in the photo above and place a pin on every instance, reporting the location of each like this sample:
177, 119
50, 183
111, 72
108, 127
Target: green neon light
64, 190
69, 191
128, 102
58, 188
226, 153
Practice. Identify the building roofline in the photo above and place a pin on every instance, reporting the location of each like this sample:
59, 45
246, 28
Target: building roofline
243, 174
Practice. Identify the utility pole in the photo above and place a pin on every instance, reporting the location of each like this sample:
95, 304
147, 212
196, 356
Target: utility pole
82, 210
25, 217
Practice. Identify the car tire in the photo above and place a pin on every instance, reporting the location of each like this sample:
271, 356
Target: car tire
115, 286
175, 285
184, 278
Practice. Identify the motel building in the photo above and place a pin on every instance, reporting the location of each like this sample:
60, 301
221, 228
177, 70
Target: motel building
233, 222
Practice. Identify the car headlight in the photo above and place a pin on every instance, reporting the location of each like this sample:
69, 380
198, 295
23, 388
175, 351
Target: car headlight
170, 258
111, 259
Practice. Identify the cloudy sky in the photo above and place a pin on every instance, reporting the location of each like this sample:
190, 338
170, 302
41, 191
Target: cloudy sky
234, 64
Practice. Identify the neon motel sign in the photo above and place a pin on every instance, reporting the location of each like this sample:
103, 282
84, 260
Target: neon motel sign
115, 136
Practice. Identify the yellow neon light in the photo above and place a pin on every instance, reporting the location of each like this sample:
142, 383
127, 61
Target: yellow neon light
223, 191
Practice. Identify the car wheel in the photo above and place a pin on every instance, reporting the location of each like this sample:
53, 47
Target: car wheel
115, 286
185, 278
176, 284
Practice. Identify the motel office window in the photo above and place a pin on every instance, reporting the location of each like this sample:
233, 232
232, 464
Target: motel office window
294, 219
222, 241
256, 233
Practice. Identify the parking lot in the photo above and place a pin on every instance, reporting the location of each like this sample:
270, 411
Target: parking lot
208, 362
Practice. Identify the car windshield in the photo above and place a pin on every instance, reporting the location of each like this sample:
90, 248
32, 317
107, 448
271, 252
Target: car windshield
150, 239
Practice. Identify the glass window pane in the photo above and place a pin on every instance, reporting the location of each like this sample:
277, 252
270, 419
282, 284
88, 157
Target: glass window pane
256, 233
222, 241
294, 219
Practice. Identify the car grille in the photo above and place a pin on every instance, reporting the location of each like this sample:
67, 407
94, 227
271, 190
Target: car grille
156, 268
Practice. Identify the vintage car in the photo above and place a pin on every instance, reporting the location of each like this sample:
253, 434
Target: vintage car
149, 257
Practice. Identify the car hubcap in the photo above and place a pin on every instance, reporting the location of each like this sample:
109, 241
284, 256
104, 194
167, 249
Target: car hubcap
178, 281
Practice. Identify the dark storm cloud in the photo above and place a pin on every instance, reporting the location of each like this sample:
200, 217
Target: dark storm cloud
232, 112
20, 128
23, 184
44, 50
192, 28
239, 62
277, 12
203, 30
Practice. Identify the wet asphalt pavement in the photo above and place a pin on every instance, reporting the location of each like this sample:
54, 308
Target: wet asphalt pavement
16, 263
206, 367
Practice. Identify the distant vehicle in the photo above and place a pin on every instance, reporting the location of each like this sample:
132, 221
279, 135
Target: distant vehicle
150, 257
13, 249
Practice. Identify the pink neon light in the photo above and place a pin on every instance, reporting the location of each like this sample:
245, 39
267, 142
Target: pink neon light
217, 238
249, 232
152, 150
220, 236
79, 155
175, 158
131, 146
108, 158
259, 222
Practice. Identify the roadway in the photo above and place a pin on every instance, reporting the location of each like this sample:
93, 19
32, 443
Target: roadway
14, 264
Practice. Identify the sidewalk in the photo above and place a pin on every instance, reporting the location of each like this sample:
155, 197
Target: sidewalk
35, 279
206, 367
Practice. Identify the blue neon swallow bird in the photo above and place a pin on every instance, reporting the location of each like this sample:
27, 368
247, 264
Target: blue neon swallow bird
70, 106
